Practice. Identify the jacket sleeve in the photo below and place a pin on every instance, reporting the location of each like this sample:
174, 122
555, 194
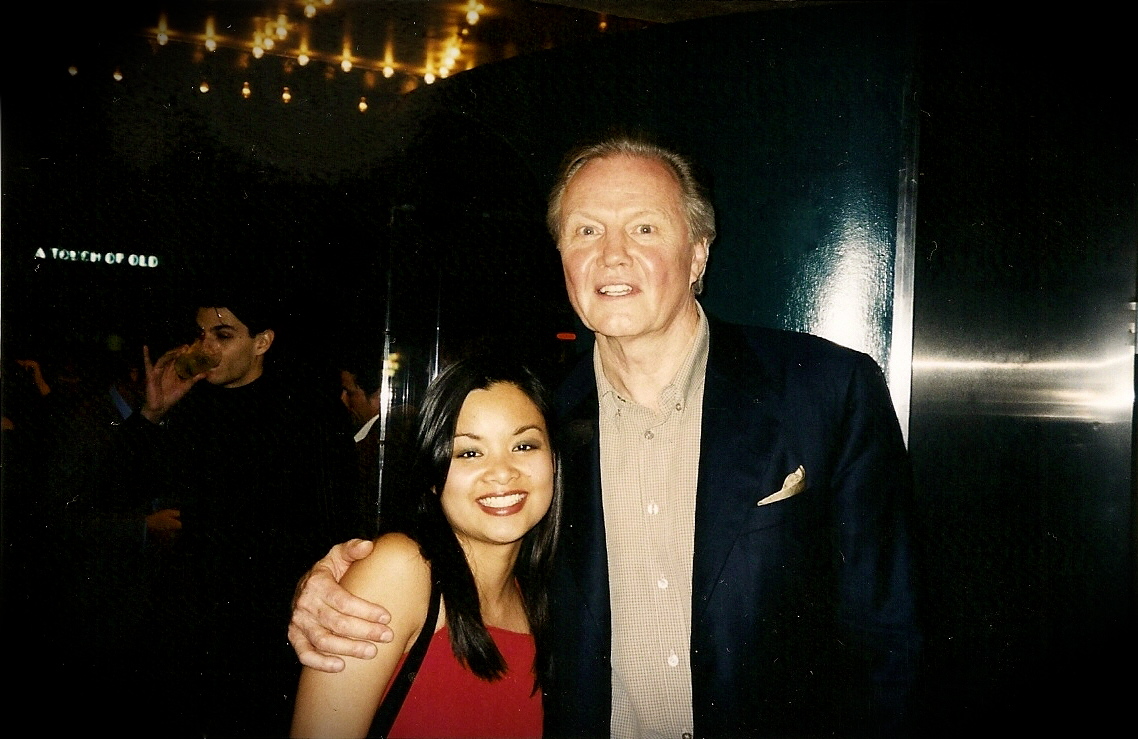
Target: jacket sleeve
873, 493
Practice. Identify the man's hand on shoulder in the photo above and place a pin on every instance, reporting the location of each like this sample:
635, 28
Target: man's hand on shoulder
327, 621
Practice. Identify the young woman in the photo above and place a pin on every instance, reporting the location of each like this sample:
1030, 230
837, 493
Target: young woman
488, 509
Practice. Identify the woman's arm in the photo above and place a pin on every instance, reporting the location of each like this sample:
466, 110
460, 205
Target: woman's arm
342, 704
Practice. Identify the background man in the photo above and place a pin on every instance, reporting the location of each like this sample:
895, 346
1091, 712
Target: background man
360, 387
380, 441
738, 563
359, 392
255, 471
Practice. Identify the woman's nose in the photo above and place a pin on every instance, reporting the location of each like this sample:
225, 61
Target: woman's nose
501, 468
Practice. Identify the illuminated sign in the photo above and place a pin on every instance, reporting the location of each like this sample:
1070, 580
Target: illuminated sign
99, 257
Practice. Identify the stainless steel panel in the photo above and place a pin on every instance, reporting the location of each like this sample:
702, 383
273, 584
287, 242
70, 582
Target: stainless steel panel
1021, 428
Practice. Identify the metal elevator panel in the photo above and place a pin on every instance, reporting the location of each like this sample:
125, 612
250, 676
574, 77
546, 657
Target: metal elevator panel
1021, 428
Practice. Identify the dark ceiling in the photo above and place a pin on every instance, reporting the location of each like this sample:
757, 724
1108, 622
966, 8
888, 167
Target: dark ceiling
670, 11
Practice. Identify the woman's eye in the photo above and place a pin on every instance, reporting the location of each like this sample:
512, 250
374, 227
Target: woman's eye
466, 454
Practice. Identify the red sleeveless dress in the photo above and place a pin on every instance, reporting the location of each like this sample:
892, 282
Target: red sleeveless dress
447, 701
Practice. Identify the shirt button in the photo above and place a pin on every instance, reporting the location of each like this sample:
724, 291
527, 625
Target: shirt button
686, 735
679, 406
673, 660
653, 509
649, 435
662, 583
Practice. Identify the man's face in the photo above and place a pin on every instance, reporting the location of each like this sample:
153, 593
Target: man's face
225, 337
356, 400
628, 260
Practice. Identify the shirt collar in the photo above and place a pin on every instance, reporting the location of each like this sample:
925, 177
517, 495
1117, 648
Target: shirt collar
362, 433
679, 391
123, 407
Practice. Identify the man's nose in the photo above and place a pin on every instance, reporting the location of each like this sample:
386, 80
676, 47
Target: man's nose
614, 249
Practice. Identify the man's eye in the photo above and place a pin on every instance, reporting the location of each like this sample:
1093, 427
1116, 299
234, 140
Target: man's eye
587, 230
644, 229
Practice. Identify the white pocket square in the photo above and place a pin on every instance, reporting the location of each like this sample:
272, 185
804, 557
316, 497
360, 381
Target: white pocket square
794, 484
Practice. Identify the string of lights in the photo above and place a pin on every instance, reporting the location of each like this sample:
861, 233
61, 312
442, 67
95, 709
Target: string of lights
386, 48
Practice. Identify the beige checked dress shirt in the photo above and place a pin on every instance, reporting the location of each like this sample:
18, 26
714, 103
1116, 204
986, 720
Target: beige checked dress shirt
649, 466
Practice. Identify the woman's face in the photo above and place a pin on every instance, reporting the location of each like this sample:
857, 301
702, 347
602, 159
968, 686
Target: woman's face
500, 482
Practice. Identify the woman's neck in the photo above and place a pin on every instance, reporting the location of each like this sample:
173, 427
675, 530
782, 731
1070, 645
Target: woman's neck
499, 597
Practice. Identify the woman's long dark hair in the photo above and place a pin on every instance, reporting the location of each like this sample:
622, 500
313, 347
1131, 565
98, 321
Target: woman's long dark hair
431, 457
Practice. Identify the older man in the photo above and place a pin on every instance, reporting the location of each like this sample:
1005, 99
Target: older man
737, 498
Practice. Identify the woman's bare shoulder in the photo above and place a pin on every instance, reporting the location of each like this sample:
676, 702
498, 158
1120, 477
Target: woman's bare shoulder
395, 575
397, 554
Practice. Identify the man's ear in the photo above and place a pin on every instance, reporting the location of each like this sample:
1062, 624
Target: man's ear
701, 250
263, 340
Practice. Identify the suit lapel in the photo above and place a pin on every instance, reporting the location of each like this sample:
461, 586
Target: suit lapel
738, 435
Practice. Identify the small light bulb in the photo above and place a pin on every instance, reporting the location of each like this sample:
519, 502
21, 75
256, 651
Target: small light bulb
286, 95
211, 44
204, 86
302, 59
258, 52
246, 91
117, 75
388, 71
346, 65
363, 105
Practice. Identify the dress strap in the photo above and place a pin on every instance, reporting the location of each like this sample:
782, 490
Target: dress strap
389, 709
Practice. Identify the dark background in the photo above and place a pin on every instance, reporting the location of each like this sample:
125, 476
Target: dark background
985, 165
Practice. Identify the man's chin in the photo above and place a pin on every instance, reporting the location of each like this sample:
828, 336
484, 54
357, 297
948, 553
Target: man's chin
619, 328
213, 378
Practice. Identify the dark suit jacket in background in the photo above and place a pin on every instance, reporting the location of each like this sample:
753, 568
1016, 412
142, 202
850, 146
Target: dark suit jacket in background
367, 459
803, 612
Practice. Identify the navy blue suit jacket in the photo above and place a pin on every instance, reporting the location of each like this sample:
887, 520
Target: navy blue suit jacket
803, 614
